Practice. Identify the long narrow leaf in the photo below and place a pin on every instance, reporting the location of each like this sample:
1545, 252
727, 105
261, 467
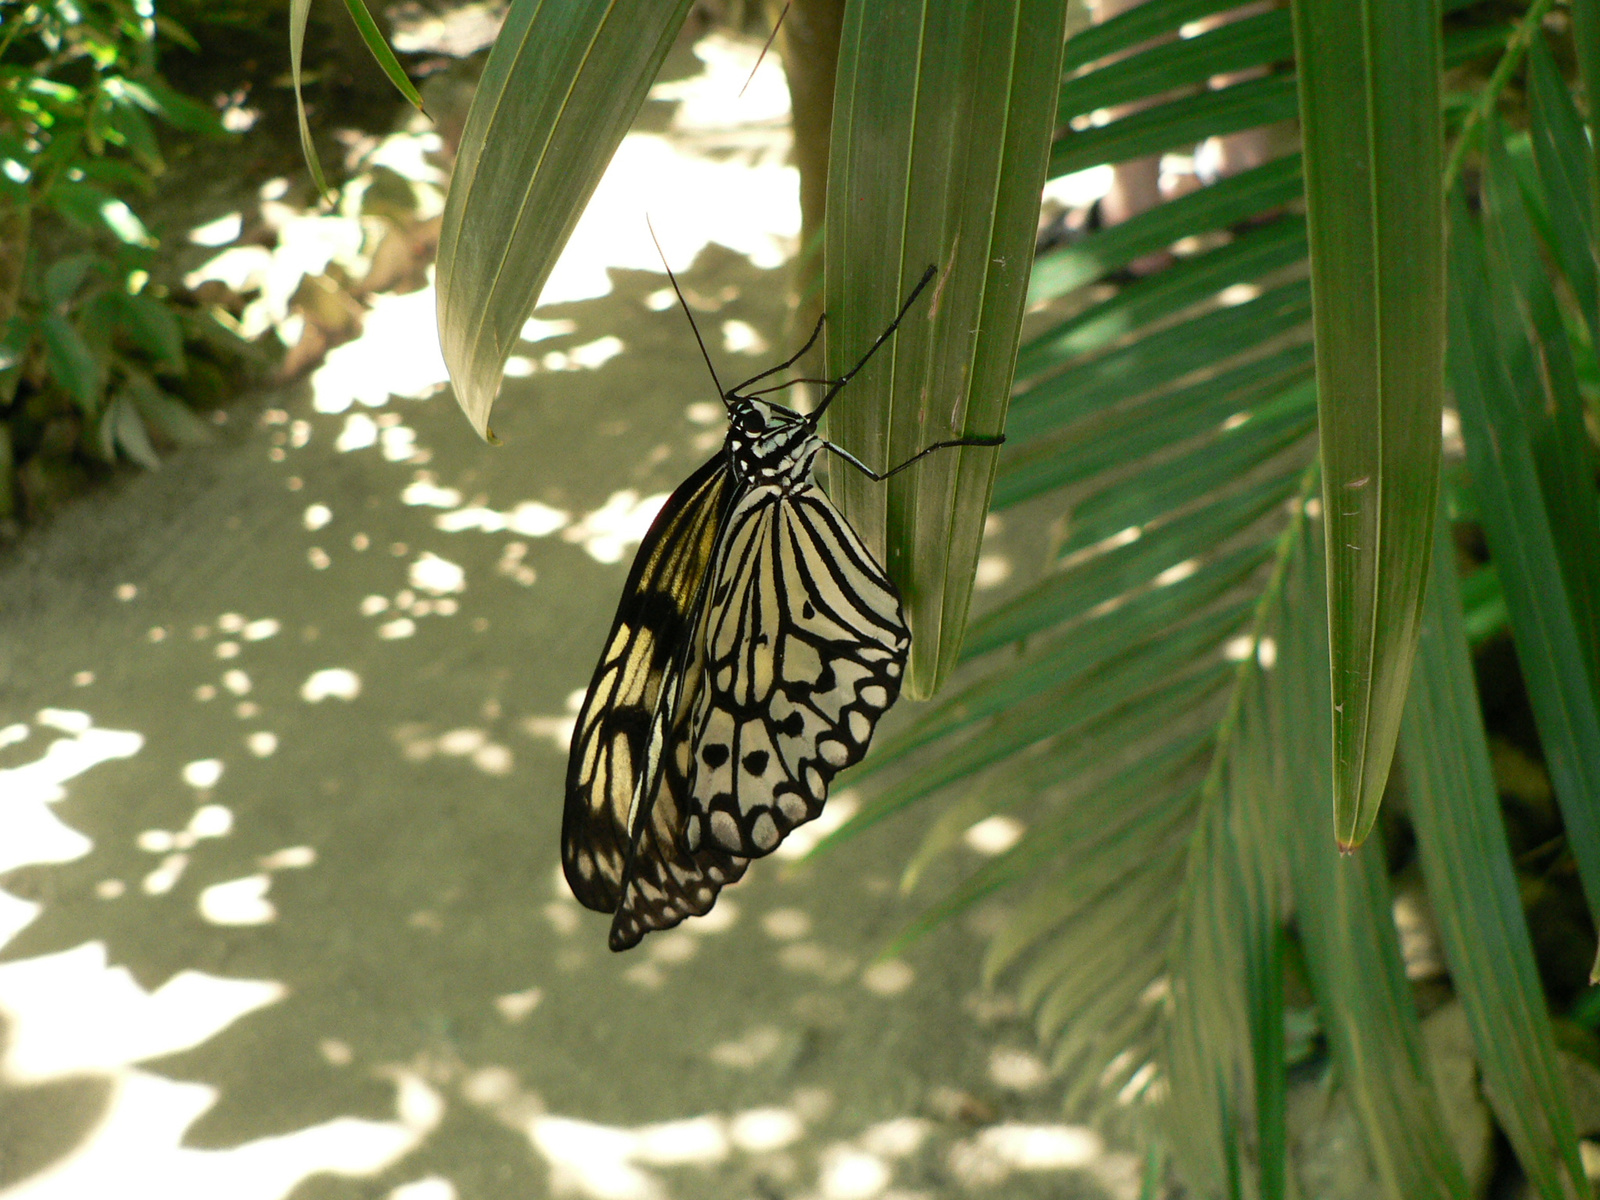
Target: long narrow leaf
1224, 203
559, 90
1346, 922
1192, 347
1118, 572
1559, 146
942, 118
1538, 350
1461, 839
1369, 98
378, 46
1586, 45
1252, 41
299, 11
1242, 260
1523, 546
1177, 123
1129, 731
1135, 26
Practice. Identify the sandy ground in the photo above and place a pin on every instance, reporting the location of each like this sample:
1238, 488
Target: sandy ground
282, 737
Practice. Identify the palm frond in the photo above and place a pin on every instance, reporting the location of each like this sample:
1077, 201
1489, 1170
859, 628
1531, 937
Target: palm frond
1154, 713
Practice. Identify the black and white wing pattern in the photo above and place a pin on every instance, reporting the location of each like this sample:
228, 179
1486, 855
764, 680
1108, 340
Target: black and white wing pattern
756, 647
804, 646
618, 739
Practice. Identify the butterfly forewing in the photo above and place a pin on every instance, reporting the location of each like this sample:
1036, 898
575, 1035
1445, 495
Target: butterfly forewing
805, 647
618, 738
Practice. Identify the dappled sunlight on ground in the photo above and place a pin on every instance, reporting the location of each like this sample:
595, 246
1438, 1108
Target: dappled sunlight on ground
281, 758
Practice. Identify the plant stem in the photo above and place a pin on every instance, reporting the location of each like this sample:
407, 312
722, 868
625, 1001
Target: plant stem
1258, 623
1516, 47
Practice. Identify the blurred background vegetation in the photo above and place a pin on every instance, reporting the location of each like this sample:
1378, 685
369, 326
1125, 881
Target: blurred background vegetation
1143, 732
113, 118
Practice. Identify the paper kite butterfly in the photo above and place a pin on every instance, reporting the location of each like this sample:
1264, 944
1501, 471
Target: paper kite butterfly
756, 646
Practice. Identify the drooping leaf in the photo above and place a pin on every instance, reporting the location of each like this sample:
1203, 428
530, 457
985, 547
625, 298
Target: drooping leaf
153, 328
378, 46
1345, 917
943, 112
1369, 101
72, 363
122, 414
560, 88
299, 11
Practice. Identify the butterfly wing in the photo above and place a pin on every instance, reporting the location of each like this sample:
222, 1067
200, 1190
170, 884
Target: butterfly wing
619, 736
665, 881
805, 647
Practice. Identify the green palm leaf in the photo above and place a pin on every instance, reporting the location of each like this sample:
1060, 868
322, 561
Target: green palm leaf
941, 123
1155, 714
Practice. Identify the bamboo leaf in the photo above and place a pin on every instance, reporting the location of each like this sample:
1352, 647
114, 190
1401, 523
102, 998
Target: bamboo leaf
1369, 99
561, 86
942, 117
1455, 810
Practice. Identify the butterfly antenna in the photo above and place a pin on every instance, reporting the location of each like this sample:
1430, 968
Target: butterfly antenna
838, 384
776, 26
704, 353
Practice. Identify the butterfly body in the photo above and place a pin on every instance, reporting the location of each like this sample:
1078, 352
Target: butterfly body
756, 646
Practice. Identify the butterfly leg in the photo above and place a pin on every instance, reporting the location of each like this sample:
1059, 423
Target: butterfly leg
880, 476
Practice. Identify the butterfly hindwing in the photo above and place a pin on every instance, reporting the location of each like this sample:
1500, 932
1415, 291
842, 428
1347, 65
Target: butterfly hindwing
618, 735
805, 647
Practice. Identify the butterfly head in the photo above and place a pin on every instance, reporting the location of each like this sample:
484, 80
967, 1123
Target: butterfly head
769, 444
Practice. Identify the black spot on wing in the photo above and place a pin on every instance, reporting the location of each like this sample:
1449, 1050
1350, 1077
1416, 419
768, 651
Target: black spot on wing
807, 622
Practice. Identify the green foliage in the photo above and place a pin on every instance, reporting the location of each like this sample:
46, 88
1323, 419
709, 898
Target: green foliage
1154, 714
91, 351
1155, 719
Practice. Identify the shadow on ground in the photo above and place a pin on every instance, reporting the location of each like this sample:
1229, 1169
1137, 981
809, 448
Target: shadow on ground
312, 890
